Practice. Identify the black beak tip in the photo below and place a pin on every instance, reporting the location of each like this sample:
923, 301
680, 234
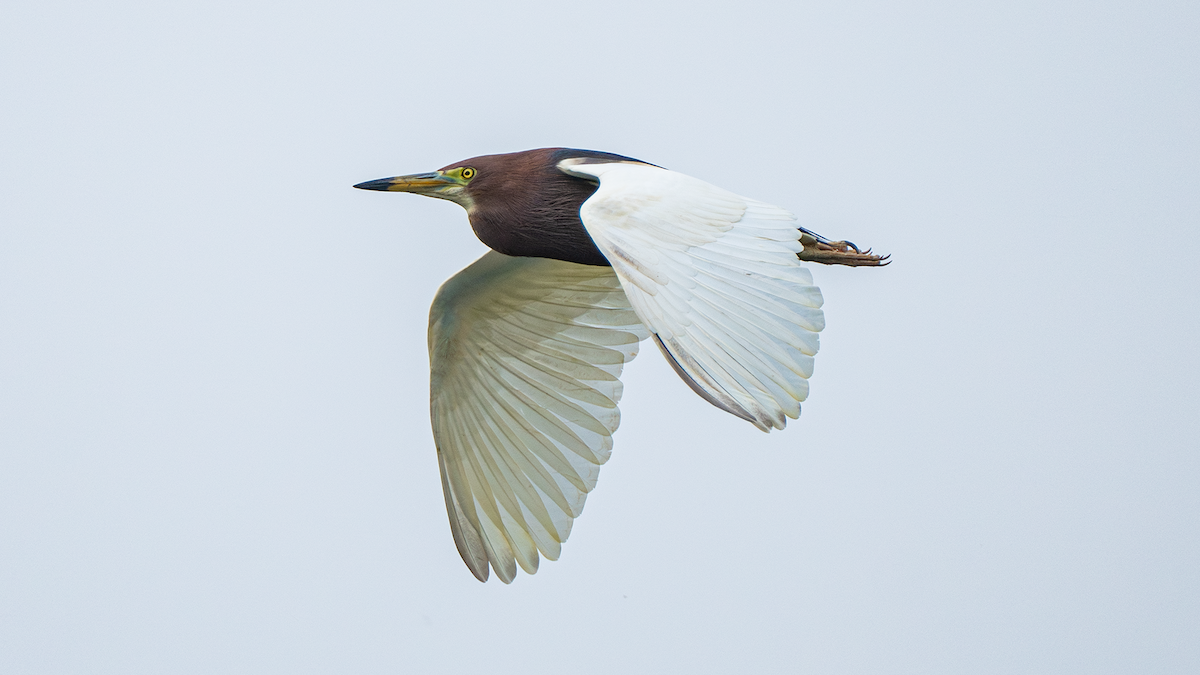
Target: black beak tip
381, 184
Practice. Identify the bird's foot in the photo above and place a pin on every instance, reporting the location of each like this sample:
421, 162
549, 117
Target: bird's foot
818, 249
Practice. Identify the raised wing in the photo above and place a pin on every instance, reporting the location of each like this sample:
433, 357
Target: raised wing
715, 278
525, 355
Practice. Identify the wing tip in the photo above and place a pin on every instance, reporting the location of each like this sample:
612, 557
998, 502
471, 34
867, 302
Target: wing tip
728, 406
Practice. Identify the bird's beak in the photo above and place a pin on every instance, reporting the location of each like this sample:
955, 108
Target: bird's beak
431, 184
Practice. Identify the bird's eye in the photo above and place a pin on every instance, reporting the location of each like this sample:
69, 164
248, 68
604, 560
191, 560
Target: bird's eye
468, 173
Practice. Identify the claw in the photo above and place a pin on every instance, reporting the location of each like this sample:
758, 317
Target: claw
827, 252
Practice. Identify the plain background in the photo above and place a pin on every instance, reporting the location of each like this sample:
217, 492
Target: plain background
215, 453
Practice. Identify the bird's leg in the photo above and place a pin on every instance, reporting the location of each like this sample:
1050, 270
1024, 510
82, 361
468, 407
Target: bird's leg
818, 249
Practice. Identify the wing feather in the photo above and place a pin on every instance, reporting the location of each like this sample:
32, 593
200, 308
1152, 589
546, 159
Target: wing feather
532, 509
463, 528
525, 357
716, 279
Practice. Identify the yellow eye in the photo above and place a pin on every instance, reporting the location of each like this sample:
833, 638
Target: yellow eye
468, 173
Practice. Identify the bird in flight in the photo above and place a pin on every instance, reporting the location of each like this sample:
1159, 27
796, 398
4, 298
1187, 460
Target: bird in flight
592, 253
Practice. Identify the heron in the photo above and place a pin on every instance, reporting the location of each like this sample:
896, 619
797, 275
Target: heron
592, 253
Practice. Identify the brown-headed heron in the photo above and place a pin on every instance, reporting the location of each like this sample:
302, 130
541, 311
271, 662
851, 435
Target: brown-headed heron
594, 252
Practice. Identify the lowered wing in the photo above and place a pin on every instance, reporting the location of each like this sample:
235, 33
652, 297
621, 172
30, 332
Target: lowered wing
525, 356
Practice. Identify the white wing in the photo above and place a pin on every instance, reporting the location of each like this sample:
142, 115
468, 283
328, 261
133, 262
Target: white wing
525, 356
716, 279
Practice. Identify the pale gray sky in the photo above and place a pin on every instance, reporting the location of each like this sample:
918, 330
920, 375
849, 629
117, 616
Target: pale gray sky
215, 453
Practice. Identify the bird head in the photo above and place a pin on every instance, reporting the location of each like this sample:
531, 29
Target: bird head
519, 179
520, 203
